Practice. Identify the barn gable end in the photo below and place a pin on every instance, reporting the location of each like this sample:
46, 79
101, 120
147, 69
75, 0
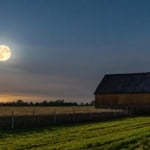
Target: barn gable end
124, 91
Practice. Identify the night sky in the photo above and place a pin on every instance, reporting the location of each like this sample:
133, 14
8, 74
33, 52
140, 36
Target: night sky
61, 49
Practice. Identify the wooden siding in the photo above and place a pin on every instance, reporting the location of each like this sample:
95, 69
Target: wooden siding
122, 99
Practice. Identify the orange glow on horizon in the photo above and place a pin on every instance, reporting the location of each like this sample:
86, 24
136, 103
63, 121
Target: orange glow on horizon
6, 97
11, 98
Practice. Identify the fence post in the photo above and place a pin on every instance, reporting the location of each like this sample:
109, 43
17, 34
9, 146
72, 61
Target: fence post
73, 114
73, 109
55, 117
128, 112
115, 114
33, 113
12, 120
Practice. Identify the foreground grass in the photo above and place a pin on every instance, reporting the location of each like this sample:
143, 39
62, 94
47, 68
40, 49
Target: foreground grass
125, 134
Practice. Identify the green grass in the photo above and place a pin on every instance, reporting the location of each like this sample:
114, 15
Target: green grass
122, 134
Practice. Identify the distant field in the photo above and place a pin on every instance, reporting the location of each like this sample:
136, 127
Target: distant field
125, 134
7, 111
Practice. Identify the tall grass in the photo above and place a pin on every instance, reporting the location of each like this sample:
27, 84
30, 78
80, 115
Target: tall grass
7, 111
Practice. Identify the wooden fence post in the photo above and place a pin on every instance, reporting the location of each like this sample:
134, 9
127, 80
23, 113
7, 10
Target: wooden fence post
12, 120
33, 113
55, 117
115, 114
73, 114
128, 111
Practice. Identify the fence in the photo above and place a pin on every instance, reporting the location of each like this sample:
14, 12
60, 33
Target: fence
35, 120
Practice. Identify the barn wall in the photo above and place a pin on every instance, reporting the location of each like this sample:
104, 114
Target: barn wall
123, 100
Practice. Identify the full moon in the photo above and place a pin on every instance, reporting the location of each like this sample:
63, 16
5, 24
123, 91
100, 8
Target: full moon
5, 53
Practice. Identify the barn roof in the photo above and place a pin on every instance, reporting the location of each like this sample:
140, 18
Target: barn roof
124, 83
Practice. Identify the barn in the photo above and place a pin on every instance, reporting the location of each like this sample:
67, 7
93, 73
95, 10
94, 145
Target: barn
126, 91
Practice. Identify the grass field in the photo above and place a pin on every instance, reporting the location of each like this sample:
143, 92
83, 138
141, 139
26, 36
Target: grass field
7, 111
126, 134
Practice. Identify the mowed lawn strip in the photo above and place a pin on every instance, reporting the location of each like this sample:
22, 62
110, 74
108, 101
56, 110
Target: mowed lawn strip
128, 133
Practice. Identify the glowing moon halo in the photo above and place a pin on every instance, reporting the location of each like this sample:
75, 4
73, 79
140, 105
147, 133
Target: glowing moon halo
5, 53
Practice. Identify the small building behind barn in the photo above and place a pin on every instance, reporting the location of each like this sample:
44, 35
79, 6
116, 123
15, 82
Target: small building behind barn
126, 91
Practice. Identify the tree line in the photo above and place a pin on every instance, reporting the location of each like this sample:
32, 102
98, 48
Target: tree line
46, 103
